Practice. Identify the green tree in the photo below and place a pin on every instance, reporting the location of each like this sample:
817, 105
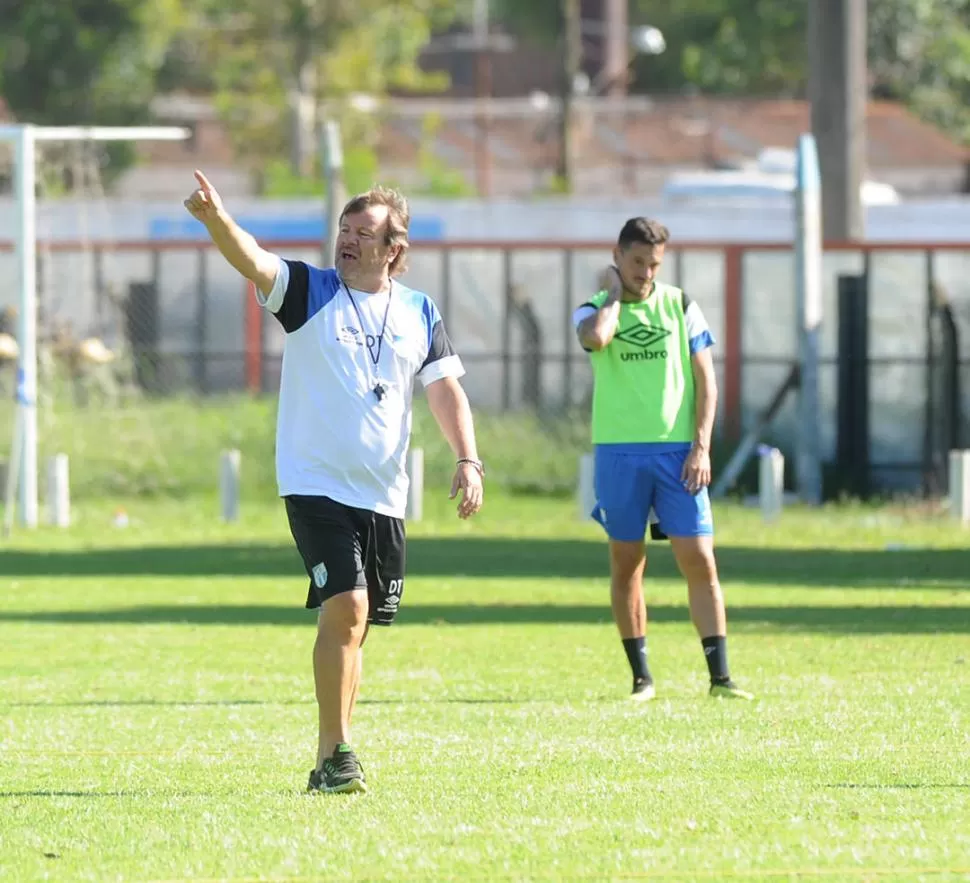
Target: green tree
90, 62
538, 19
275, 63
919, 52
732, 46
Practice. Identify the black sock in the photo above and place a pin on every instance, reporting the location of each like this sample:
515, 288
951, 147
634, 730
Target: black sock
636, 654
715, 652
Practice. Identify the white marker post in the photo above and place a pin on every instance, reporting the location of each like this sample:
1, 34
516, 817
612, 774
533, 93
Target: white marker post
960, 486
229, 468
808, 300
771, 483
415, 468
58, 491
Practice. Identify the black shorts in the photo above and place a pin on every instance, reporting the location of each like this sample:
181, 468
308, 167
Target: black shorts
344, 548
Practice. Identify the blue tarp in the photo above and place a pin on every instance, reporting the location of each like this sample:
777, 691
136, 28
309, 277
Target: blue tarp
281, 228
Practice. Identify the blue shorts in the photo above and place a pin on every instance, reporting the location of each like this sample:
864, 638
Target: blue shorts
632, 480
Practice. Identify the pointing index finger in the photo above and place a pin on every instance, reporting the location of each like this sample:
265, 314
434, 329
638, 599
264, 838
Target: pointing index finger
203, 182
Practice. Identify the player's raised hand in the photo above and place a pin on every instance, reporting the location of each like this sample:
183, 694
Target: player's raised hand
205, 203
608, 279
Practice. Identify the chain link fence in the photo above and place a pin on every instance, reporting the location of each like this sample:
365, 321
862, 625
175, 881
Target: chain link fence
150, 347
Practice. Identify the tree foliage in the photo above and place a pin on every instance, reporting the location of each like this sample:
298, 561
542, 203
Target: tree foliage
101, 61
538, 19
84, 61
733, 46
919, 50
273, 62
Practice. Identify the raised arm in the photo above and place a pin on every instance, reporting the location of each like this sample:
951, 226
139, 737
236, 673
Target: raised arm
237, 246
598, 324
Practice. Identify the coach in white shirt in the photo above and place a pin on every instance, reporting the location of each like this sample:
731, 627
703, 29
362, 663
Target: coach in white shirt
356, 339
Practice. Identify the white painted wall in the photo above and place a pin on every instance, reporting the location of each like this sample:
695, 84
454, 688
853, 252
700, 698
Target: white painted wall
572, 219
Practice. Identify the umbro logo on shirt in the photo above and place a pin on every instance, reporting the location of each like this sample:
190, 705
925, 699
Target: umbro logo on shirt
643, 336
349, 334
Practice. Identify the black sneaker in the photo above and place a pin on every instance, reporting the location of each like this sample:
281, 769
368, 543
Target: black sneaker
340, 774
643, 690
727, 689
316, 782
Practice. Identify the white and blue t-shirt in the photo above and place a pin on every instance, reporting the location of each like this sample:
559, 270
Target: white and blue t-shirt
336, 437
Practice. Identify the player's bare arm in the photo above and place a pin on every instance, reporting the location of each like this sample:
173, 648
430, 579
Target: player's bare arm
595, 332
451, 410
697, 468
237, 246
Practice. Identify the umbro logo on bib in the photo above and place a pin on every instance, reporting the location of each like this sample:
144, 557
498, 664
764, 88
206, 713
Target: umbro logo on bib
643, 336
648, 340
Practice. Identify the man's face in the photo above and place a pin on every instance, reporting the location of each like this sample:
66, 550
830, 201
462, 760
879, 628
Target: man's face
638, 265
362, 252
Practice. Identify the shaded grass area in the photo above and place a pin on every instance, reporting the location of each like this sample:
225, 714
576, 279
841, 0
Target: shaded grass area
498, 558
904, 619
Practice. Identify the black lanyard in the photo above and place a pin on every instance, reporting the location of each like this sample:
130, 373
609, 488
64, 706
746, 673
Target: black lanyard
380, 339
379, 388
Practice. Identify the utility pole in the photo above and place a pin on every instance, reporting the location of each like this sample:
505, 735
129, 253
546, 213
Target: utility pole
332, 155
838, 91
570, 24
483, 92
617, 28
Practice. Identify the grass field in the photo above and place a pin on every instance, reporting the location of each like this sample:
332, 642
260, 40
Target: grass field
157, 719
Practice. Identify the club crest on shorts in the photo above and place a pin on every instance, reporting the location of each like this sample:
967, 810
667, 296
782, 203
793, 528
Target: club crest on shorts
320, 575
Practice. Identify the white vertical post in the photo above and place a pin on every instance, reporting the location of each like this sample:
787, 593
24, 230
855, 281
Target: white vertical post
333, 163
415, 468
771, 483
27, 339
960, 486
586, 492
58, 491
229, 467
808, 285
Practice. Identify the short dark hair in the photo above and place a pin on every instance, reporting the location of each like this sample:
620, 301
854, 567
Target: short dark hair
642, 231
398, 220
